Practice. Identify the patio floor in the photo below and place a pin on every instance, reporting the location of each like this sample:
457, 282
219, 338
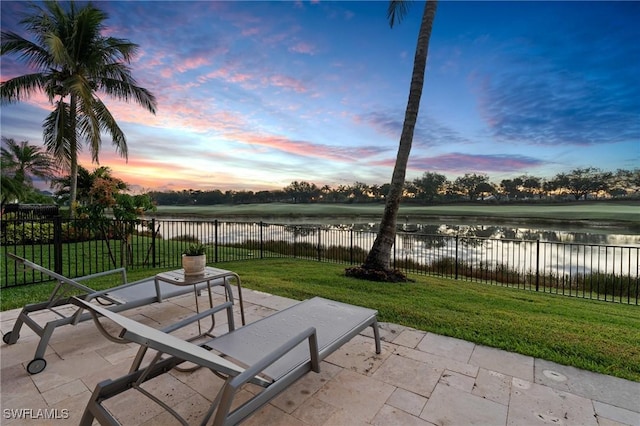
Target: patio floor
418, 379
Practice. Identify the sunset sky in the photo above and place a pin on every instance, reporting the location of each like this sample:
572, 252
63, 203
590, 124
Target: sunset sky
255, 95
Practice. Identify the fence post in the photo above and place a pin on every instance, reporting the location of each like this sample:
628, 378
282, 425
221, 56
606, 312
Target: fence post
261, 240
395, 246
456, 259
57, 245
215, 241
319, 244
537, 265
351, 247
154, 234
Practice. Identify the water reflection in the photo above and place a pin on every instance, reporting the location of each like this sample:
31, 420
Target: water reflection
508, 232
521, 250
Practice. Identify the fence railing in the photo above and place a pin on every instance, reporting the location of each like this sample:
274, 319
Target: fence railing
80, 247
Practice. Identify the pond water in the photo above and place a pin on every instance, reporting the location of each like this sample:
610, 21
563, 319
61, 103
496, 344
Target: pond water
560, 233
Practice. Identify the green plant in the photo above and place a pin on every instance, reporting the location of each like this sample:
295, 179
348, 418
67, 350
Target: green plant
195, 250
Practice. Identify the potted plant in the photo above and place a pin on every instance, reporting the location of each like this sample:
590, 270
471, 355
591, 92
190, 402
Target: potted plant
194, 259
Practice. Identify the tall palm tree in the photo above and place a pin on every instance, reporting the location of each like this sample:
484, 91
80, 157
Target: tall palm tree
378, 262
73, 62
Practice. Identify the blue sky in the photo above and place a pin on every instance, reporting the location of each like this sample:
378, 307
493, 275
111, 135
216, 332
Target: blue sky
255, 95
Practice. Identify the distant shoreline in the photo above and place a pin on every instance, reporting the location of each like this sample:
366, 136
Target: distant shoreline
600, 215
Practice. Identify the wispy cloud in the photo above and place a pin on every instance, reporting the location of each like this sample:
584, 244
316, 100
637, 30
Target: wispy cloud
428, 132
286, 82
580, 88
465, 163
308, 149
304, 48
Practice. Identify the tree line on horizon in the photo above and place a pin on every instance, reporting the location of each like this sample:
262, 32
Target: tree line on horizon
23, 162
578, 184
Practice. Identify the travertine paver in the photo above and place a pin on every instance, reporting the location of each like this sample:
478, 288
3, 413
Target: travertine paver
362, 396
509, 363
314, 412
359, 355
451, 406
457, 380
493, 386
420, 379
409, 338
531, 403
408, 374
65, 391
62, 371
615, 414
389, 415
133, 408
345, 417
192, 410
407, 401
437, 361
590, 385
455, 349
23, 393
298, 393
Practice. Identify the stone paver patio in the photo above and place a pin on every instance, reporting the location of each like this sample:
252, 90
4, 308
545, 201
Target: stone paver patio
418, 379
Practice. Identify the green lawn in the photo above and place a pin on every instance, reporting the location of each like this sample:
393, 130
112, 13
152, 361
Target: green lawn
597, 336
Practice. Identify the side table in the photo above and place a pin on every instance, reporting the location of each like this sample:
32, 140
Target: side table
177, 277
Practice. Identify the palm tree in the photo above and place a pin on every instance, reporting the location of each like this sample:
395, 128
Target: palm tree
21, 162
25, 161
378, 262
73, 62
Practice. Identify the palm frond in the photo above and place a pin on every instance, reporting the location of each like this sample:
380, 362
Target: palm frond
396, 11
109, 124
22, 87
57, 134
34, 55
125, 89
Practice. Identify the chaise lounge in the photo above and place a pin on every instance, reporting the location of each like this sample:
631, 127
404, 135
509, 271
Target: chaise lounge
273, 353
123, 297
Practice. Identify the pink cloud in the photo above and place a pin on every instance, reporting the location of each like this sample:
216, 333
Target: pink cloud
167, 73
468, 163
247, 32
227, 74
192, 63
306, 149
287, 82
304, 48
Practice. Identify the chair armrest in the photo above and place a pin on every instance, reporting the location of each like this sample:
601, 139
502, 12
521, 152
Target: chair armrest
196, 317
227, 394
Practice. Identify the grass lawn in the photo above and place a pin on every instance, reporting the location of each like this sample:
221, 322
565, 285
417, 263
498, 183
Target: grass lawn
596, 336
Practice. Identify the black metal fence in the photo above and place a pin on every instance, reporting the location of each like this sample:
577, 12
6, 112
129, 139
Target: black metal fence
80, 247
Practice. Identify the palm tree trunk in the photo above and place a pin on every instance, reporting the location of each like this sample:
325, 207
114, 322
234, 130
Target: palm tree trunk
73, 153
379, 257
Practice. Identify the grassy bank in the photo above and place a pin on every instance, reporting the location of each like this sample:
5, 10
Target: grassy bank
624, 214
596, 336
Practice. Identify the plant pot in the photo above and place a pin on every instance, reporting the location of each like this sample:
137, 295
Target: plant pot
194, 265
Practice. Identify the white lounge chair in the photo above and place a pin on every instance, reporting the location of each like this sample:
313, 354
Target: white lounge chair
273, 353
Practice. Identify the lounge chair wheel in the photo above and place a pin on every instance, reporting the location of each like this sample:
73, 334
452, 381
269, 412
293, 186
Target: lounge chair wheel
7, 338
36, 366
